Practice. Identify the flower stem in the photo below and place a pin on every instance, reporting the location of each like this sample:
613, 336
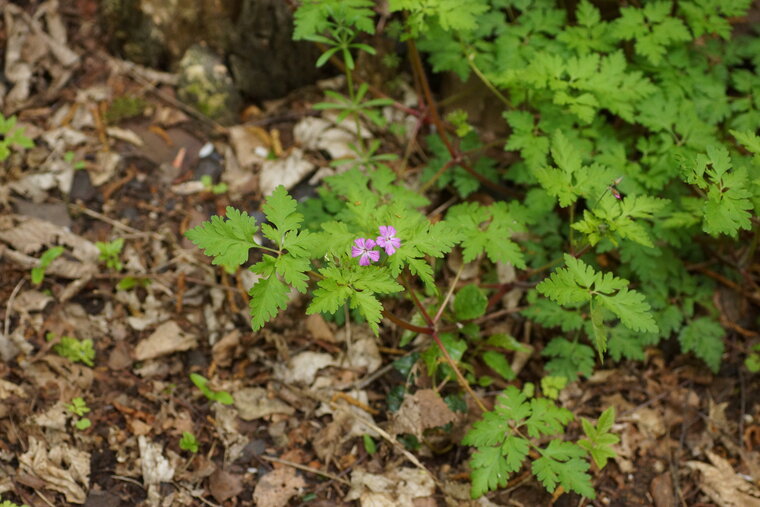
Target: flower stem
486, 81
406, 325
434, 333
460, 378
449, 294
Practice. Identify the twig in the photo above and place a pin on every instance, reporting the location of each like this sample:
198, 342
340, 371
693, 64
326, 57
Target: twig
304, 468
9, 309
116, 224
371, 425
44, 498
195, 495
455, 153
130, 480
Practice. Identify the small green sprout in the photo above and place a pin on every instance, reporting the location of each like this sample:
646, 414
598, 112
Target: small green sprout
8, 503
109, 253
551, 386
79, 408
201, 383
458, 118
188, 442
130, 282
74, 350
10, 135
38, 272
69, 158
752, 362
369, 444
208, 184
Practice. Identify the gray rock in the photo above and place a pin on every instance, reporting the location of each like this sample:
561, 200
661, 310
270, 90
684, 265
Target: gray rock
206, 85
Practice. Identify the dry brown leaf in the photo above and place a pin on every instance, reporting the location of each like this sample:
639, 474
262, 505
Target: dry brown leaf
276, 488
250, 144
63, 468
28, 235
53, 418
396, 488
254, 403
156, 468
30, 51
166, 339
31, 301
328, 440
661, 489
226, 349
649, 421
303, 368
319, 329
286, 171
227, 420
723, 485
423, 410
224, 485
364, 355
240, 180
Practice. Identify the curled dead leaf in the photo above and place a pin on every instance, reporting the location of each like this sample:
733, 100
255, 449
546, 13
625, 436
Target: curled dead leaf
276, 488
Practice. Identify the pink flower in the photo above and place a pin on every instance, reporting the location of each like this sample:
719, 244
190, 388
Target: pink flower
364, 248
388, 239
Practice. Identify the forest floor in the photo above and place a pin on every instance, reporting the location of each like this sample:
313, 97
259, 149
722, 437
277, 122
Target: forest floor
311, 422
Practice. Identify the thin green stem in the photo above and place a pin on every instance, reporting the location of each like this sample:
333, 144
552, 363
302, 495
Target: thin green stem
434, 333
572, 220
448, 294
376, 92
278, 252
355, 114
460, 378
486, 81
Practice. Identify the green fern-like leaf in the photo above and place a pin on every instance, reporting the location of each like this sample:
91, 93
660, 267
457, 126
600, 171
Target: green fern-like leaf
228, 241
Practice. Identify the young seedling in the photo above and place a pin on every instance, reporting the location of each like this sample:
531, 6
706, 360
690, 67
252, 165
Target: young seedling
201, 383
109, 253
8, 503
69, 158
76, 351
188, 442
38, 272
10, 135
209, 185
79, 408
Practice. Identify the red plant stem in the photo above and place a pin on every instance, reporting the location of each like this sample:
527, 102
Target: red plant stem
434, 333
455, 153
406, 325
417, 303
